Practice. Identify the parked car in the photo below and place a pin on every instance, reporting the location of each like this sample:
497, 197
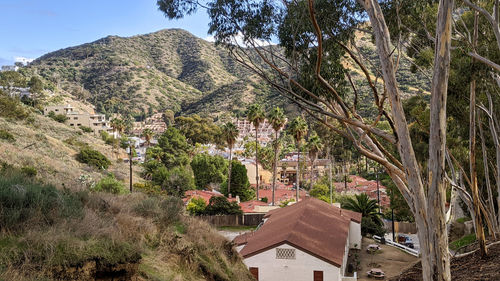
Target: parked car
376, 273
405, 240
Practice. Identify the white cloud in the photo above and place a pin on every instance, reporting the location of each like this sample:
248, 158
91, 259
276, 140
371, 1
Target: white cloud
23, 60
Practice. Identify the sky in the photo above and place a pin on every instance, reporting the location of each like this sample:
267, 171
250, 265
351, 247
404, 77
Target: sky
32, 28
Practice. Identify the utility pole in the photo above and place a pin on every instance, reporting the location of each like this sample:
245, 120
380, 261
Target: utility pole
130, 162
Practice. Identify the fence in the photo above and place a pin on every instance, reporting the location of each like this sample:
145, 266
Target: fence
234, 220
401, 227
399, 246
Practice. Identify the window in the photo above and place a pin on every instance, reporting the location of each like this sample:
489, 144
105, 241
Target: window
287, 254
75, 118
317, 275
255, 272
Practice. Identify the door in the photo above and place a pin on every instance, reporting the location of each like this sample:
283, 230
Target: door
318, 275
255, 273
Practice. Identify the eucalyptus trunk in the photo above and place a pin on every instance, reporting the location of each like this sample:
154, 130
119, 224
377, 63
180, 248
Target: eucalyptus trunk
298, 170
429, 209
472, 154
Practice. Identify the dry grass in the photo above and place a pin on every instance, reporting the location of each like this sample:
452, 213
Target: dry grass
51, 148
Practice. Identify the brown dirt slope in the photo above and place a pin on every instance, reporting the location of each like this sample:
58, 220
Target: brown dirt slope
468, 268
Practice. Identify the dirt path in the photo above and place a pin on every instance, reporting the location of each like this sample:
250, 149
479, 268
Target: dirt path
391, 260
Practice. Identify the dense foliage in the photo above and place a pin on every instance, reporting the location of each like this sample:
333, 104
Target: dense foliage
240, 186
93, 158
209, 170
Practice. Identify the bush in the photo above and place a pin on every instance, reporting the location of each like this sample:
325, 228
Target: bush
61, 118
196, 206
4, 135
86, 129
111, 185
240, 186
174, 181
26, 201
163, 211
93, 158
208, 170
29, 171
368, 226
219, 205
11, 108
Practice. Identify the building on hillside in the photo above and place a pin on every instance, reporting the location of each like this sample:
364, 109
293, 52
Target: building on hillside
155, 123
97, 122
247, 130
287, 168
309, 240
282, 193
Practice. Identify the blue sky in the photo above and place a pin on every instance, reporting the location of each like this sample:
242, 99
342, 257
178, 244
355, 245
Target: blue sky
31, 28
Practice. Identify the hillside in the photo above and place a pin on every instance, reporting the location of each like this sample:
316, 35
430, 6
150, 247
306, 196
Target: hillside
168, 69
57, 225
173, 69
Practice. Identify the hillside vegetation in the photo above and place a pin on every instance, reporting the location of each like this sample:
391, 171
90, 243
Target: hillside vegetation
168, 69
173, 69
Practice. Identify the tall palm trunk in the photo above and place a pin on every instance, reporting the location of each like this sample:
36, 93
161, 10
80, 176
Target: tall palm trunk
311, 174
257, 160
230, 167
275, 167
298, 170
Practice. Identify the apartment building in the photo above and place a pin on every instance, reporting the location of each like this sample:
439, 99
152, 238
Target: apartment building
97, 122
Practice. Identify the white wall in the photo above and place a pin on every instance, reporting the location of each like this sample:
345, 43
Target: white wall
354, 235
299, 269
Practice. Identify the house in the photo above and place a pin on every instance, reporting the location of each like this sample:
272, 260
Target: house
309, 240
206, 195
97, 122
287, 168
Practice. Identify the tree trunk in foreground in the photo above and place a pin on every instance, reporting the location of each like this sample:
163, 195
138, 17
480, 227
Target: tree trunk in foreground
429, 211
275, 167
257, 160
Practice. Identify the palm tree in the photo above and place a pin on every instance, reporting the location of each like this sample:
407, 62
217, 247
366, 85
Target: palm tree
298, 128
256, 116
118, 125
277, 120
229, 135
361, 203
148, 135
314, 145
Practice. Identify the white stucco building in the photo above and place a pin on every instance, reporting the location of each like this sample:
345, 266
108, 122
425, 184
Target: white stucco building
309, 240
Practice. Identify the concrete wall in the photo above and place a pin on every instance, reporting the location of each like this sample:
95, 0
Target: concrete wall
299, 269
355, 235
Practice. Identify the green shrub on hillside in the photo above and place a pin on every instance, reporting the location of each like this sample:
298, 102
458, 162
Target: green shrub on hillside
29, 171
27, 201
111, 185
61, 118
196, 206
93, 158
4, 135
86, 129
163, 211
11, 108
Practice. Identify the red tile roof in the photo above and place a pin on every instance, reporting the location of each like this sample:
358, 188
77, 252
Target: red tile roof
281, 193
206, 195
248, 206
361, 185
311, 225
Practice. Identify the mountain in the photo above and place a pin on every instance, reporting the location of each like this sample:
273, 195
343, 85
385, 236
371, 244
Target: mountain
173, 69
168, 69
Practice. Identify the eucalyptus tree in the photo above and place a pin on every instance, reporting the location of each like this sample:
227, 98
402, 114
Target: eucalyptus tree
314, 146
229, 134
277, 120
256, 116
306, 67
298, 129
